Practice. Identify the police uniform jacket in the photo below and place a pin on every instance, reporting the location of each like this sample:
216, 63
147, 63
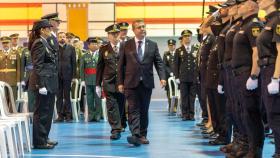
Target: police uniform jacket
44, 73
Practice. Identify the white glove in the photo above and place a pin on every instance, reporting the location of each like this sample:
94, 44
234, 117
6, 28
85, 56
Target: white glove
273, 86
98, 91
18, 83
251, 84
43, 91
83, 83
171, 74
216, 14
220, 89
177, 81
23, 83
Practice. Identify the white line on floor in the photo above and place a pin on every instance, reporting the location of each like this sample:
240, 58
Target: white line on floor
93, 156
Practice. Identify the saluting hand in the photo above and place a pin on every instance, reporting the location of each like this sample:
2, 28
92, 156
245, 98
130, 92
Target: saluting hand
120, 88
162, 83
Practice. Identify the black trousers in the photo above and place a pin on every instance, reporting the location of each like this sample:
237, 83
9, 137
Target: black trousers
63, 102
114, 102
138, 107
42, 117
203, 92
123, 112
252, 117
272, 105
188, 92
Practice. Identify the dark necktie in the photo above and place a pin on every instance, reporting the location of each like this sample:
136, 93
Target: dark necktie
139, 50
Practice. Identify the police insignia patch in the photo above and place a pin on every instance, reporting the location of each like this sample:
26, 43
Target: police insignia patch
278, 29
106, 53
256, 31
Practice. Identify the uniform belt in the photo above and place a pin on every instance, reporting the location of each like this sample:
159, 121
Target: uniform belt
90, 71
240, 70
266, 61
8, 70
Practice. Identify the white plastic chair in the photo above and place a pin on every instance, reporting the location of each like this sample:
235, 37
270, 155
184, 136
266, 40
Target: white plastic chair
174, 90
6, 139
80, 95
74, 101
21, 117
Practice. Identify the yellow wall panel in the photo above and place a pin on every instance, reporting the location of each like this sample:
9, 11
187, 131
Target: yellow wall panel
20, 13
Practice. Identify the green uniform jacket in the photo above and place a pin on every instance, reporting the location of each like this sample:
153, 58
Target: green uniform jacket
10, 67
88, 65
79, 54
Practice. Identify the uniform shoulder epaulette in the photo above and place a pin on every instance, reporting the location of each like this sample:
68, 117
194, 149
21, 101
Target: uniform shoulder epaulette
104, 45
196, 45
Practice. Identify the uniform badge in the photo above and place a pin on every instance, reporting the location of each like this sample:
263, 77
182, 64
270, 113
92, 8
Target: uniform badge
168, 57
256, 31
194, 54
278, 29
182, 53
106, 53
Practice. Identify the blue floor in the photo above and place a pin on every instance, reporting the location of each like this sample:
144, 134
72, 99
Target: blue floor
169, 138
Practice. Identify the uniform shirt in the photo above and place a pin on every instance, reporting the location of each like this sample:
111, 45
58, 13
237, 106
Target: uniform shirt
269, 36
221, 41
244, 40
204, 49
142, 45
212, 67
229, 40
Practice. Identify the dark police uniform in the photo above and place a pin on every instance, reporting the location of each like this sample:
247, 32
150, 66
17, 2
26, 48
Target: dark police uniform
268, 53
169, 62
186, 72
107, 74
204, 51
243, 42
88, 74
44, 74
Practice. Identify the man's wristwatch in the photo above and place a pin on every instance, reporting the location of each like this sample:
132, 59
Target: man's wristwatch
254, 77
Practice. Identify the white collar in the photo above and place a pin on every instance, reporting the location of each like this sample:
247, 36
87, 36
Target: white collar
118, 45
53, 34
7, 51
136, 40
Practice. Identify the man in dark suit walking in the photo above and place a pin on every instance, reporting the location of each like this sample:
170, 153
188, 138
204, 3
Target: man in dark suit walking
136, 80
66, 71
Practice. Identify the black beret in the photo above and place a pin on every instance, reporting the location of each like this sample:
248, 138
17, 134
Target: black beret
113, 28
93, 40
41, 24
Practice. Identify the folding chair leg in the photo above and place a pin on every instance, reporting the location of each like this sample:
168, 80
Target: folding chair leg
3, 147
74, 111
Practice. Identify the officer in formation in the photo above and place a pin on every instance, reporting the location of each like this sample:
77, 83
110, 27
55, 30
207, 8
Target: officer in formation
123, 31
169, 62
186, 74
88, 66
107, 78
10, 68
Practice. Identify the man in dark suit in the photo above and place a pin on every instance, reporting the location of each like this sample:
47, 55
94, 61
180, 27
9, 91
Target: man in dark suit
186, 74
135, 78
66, 71
107, 73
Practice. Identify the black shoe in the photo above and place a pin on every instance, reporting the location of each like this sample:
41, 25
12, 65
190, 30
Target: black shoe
115, 136
254, 153
214, 136
203, 128
52, 142
217, 142
134, 140
276, 155
206, 132
208, 136
45, 146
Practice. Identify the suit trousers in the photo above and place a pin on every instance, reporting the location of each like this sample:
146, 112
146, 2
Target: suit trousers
188, 92
63, 102
114, 102
42, 117
138, 107
272, 103
252, 117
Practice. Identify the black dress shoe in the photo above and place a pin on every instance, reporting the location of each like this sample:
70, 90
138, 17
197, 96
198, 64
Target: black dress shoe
115, 136
134, 140
51, 142
144, 140
45, 146
59, 119
217, 142
276, 155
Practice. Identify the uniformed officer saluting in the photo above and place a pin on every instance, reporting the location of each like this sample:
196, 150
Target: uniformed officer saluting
9, 67
169, 62
107, 74
268, 43
186, 74
246, 71
88, 77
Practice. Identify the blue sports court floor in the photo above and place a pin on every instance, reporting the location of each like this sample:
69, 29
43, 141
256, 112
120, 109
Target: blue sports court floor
169, 138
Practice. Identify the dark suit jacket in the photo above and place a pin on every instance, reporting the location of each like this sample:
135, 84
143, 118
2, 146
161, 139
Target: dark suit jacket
66, 62
44, 73
130, 68
107, 68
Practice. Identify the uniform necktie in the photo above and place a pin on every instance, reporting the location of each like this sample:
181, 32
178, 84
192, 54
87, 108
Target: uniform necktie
139, 50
